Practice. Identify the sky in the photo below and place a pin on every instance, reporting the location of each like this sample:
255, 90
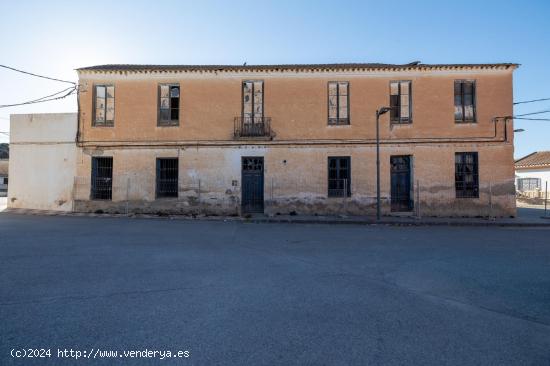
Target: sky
55, 37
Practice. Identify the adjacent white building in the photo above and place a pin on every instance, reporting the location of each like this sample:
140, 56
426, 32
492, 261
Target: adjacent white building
533, 173
43, 157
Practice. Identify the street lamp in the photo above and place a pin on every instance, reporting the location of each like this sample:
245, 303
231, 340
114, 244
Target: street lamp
379, 112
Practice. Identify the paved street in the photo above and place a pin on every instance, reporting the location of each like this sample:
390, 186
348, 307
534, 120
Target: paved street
265, 294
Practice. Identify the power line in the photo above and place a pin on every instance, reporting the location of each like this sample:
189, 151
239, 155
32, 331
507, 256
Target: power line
528, 114
532, 101
533, 119
40, 76
46, 98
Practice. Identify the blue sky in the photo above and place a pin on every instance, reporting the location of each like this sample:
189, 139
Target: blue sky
54, 38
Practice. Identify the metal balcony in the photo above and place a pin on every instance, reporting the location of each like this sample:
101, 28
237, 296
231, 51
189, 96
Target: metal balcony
250, 127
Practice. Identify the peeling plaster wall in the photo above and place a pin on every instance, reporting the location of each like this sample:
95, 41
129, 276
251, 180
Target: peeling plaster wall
42, 161
296, 180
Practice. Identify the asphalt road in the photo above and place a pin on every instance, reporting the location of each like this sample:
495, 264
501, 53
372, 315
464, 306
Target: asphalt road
233, 293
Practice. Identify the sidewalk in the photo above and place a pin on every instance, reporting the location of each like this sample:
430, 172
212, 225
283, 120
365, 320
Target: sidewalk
527, 217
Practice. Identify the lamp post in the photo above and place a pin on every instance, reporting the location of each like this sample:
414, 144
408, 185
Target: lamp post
379, 112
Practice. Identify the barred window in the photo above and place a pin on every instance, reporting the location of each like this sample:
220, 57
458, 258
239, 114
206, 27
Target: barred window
465, 107
167, 177
339, 176
338, 103
466, 175
102, 178
104, 105
401, 101
169, 105
529, 184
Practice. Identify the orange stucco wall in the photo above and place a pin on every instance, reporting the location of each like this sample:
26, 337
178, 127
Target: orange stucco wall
296, 104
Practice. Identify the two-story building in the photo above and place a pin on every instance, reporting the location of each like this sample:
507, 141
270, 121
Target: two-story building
283, 138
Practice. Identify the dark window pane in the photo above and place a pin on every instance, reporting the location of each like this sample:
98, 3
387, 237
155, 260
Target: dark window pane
458, 88
394, 103
174, 102
175, 114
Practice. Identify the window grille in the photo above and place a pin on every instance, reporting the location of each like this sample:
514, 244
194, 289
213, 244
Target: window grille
167, 177
102, 178
339, 176
466, 175
529, 184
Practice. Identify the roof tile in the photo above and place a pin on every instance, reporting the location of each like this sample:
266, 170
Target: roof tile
376, 66
536, 159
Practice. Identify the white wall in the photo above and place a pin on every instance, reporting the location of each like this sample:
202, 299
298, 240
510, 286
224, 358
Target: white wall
42, 161
543, 174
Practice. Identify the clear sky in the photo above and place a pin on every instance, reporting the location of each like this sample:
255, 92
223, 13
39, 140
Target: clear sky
55, 37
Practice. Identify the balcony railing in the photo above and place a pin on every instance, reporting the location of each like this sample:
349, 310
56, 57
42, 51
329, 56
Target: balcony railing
252, 127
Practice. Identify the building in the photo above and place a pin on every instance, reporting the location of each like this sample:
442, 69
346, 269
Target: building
43, 156
283, 138
533, 174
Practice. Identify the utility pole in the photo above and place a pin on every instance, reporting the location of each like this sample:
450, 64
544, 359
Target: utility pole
379, 112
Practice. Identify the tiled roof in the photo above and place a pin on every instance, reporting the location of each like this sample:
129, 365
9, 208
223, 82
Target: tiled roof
536, 159
324, 67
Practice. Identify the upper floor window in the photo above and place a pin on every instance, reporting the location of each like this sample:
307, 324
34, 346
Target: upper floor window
400, 101
466, 175
253, 101
338, 103
465, 106
169, 105
104, 105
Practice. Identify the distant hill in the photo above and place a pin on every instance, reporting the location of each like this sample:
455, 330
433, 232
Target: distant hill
4, 151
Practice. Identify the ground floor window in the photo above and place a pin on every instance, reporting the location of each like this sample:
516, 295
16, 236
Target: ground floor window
528, 184
102, 178
167, 177
339, 176
466, 175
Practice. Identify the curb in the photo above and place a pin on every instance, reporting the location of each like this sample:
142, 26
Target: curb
284, 220
402, 223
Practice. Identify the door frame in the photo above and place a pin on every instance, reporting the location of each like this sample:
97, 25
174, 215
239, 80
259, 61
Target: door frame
410, 206
262, 178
